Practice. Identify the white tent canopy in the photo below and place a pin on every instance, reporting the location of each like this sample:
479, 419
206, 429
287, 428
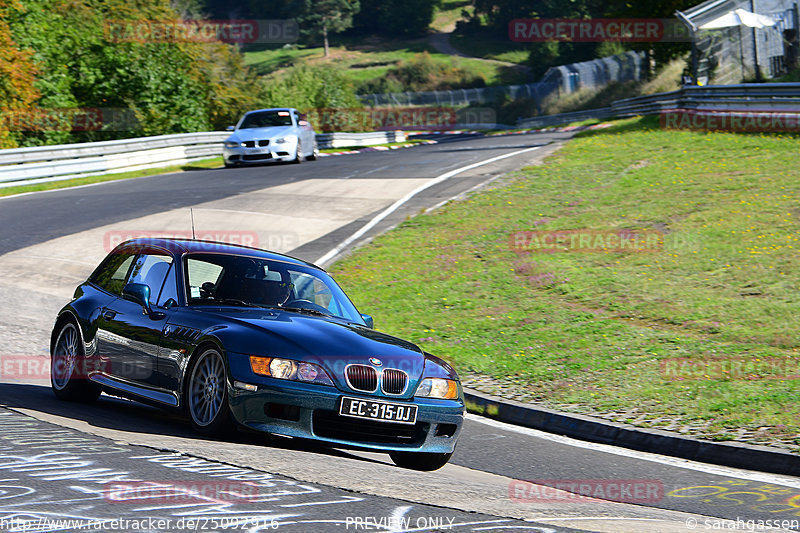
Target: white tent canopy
739, 17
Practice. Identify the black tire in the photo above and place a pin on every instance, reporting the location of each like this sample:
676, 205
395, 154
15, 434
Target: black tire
315, 154
299, 157
68, 367
206, 394
424, 461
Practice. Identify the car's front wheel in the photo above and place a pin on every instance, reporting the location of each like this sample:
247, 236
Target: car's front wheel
68, 375
315, 154
207, 394
420, 460
299, 157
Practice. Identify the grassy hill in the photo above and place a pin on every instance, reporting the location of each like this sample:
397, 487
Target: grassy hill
697, 334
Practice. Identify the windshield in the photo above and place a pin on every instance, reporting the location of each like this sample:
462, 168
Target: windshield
266, 119
248, 281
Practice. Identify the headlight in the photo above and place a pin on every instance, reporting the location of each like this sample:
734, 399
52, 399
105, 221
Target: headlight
284, 140
231, 144
445, 389
275, 367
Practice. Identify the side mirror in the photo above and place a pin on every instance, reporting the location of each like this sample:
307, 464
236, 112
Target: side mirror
230, 128
303, 123
368, 320
140, 294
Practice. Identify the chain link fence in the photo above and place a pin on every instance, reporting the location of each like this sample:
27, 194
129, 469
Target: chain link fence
557, 81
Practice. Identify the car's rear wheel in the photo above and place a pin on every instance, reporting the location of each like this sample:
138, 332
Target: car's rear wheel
299, 157
68, 376
207, 394
420, 460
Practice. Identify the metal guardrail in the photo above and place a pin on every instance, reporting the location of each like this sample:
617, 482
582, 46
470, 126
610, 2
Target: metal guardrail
19, 166
752, 97
343, 140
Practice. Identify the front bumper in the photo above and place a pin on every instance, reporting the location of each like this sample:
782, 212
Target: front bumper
311, 411
252, 156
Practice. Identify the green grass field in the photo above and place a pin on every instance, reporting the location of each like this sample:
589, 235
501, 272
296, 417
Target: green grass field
363, 61
602, 332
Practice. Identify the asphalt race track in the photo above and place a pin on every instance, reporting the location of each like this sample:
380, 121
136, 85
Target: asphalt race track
61, 461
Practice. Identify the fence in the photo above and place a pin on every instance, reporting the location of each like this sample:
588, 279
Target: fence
462, 97
737, 53
597, 73
755, 97
559, 80
21, 166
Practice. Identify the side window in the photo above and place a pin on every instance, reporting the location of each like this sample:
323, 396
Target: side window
199, 273
111, 275
170, 290
151, 270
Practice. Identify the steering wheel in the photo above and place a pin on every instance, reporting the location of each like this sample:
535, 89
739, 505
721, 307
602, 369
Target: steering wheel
306, 304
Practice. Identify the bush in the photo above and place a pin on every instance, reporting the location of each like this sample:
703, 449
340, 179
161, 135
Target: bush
305, 87
423, 73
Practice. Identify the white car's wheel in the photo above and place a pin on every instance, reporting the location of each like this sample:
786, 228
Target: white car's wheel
315, 154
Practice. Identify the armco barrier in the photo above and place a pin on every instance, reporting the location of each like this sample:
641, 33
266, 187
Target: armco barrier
37, 164
771, 97
343, 140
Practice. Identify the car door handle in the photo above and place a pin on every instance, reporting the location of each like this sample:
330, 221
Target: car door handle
108, 314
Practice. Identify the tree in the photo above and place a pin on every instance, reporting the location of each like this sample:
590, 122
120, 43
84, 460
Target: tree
321, 17
390, 17
17, 73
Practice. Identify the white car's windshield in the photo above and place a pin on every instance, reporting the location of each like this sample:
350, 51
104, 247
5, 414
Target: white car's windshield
266, 119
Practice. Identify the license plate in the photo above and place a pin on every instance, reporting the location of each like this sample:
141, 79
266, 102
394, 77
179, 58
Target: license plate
382, 411
256, 150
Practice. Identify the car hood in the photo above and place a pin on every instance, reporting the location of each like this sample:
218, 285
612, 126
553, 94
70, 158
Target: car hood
251, 134
332, 343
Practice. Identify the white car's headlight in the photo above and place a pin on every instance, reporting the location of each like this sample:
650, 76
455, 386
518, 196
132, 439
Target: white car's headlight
284, 140
231, 144
275, 367
446, 389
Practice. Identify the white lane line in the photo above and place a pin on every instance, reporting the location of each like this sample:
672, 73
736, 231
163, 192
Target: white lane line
396, 519
374, 170
761, 477
392, 208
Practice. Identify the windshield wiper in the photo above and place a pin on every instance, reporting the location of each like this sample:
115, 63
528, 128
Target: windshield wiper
305, 310
235, 301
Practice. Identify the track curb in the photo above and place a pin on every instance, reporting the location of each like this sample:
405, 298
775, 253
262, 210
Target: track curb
582, 427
